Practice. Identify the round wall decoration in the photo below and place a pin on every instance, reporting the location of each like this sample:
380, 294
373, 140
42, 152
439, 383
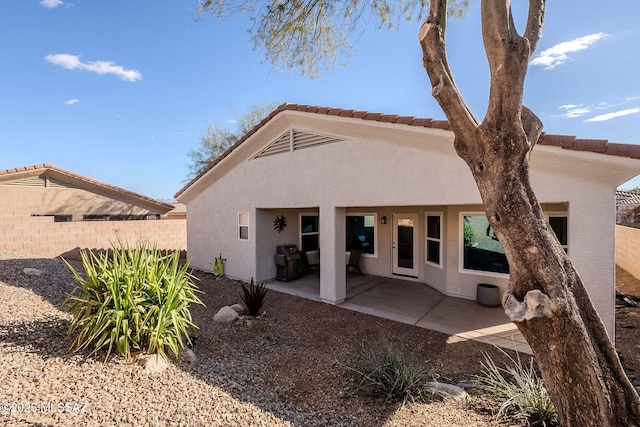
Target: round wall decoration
279, 223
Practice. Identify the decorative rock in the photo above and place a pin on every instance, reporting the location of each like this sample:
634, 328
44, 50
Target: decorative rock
447, 391
226, 315
32, 271
239, 308
188, 355
153, 363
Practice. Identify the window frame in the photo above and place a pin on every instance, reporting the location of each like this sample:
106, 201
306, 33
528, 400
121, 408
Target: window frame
461, 269
427, 239
301, 233
241, 225
375, 232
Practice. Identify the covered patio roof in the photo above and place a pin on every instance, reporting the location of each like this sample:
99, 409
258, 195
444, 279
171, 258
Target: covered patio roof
417, 304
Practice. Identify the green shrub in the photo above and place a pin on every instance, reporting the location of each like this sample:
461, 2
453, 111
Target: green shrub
389, 373
253, 297
132, 299
469, 235
520, 390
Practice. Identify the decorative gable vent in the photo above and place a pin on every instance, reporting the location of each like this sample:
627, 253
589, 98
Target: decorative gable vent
41, 181
34, 181
296, 140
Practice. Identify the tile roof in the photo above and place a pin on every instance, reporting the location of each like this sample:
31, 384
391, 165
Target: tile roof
627, 198
569, 142
48, 166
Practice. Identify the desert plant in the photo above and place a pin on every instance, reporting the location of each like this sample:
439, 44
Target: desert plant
131, 298
253, 297
469, 235
520, 389
388, 372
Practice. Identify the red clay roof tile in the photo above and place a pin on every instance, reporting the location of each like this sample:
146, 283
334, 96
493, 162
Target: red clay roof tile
49, 166
564, 141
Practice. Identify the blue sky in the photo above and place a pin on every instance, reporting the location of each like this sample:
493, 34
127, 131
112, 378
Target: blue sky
120, 91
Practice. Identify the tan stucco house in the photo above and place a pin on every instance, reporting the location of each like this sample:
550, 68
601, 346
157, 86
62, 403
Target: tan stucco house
393, 187
47, 190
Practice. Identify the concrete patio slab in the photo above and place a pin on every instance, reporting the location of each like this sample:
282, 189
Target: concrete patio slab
418, 304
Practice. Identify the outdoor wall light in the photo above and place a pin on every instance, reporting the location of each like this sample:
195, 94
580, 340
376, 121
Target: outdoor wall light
383, 220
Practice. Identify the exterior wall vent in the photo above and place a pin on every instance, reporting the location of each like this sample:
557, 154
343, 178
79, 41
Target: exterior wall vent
296, 140
41, 181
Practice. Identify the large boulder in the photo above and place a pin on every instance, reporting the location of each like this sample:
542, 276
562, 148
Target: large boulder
153, 363
226, 315
447, 391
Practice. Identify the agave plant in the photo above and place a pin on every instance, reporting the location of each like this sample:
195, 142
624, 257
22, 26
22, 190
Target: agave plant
132, 298
253, 297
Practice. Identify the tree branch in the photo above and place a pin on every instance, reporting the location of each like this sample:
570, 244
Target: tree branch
444, 89
532, 126
508, 54
534, 23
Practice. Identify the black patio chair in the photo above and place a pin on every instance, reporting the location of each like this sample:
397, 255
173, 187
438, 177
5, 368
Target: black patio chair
354, 261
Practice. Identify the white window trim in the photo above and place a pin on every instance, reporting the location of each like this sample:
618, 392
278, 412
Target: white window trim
375, 232
300, 233
427, 239
244, 225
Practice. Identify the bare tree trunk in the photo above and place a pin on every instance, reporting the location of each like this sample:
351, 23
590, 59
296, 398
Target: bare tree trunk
545, 298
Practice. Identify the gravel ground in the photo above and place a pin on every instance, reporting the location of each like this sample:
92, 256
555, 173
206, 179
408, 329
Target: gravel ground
286, 369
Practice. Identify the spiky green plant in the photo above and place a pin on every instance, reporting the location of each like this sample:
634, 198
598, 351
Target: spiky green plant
253, 297
520, 390
132, 298
388, 372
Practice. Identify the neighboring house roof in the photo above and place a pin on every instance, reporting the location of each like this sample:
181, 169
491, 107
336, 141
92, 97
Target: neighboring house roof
627, 198
601, 146
81, 181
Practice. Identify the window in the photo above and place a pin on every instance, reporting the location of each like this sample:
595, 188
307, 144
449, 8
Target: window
434, 242
243, 226
481, 249
309, 234
559, 225
361, 231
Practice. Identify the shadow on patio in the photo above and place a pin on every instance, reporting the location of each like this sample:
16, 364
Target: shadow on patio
418, 304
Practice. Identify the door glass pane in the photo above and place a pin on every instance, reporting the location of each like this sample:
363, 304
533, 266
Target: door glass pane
405, 243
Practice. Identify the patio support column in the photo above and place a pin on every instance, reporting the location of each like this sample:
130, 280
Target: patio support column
333, 279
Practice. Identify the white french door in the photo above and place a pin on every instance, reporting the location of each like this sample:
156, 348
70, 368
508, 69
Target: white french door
405, 244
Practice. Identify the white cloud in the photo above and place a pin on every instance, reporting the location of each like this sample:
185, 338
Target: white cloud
72, 101
609, 116
556, 55
576, 112
50, 4
569, 106
72, 62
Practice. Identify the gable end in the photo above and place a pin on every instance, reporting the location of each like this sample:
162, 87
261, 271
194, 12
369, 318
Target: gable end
296, 140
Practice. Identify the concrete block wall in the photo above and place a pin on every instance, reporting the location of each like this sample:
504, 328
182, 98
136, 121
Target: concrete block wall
628, 249
41, 236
